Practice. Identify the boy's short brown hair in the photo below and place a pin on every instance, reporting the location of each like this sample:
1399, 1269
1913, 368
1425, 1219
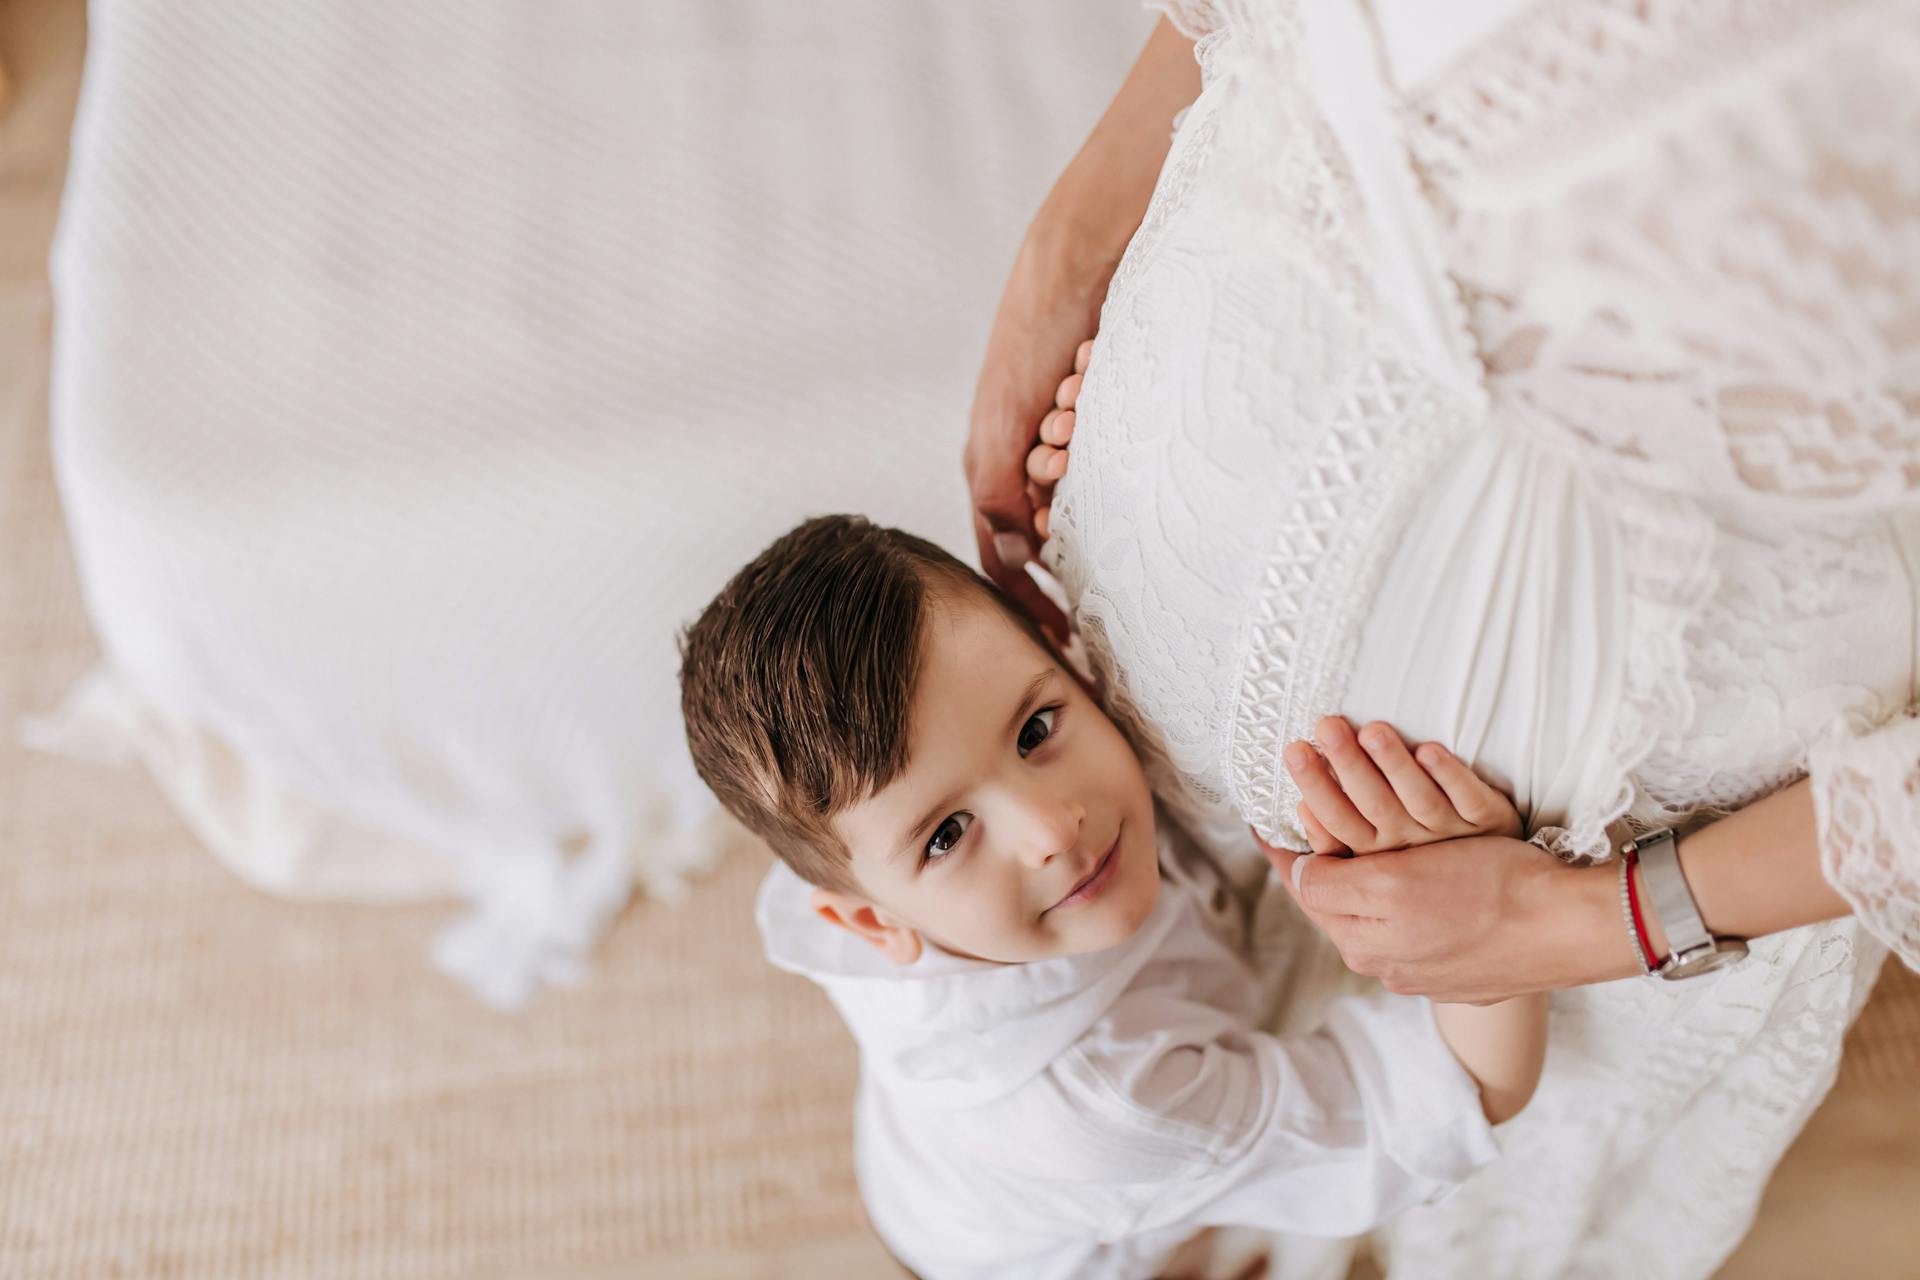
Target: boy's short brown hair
796, 682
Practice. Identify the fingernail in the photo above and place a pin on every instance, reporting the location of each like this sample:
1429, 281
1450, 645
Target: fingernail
1300, 868
1297, 756
1012, 549
1374, 739
1431, 755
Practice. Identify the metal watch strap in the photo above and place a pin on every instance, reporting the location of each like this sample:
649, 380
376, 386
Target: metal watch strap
1669, 896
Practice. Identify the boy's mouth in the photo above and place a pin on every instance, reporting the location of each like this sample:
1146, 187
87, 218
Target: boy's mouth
1095, 880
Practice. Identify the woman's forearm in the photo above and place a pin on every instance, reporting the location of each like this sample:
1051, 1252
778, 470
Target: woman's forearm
1757, 871
1098, 201
1752, 873
1053, 297
1480, 918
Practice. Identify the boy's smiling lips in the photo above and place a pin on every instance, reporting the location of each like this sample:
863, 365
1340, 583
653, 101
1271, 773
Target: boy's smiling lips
1097, 878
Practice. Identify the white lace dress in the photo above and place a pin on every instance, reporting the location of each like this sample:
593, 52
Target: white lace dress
1560, 401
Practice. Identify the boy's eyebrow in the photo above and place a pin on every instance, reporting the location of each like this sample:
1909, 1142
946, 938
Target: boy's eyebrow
1028, 696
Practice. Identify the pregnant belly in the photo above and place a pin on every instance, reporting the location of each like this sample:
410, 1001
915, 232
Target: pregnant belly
1492, 632
1504, 628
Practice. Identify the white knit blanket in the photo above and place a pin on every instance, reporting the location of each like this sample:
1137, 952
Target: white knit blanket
421, 368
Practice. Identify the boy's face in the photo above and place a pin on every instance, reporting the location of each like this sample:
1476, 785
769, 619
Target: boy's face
1018, 790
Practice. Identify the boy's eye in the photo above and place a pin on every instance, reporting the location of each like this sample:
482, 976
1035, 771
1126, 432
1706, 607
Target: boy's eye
947, 835
1037, 729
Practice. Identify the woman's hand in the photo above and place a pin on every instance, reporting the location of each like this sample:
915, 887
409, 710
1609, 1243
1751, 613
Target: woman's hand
1455, 927
1052, 302
1487, 917
1470, 921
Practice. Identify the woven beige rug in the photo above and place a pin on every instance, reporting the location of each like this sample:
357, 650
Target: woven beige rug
198, 1081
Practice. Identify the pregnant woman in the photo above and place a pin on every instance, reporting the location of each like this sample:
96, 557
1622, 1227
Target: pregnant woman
1543, 378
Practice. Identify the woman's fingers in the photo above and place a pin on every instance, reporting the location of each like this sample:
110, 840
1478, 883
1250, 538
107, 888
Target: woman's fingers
1082, 356
1057, 427
1327, 798
1043, 522
1282, 860
1348, 888
1004, 552
1422, 798
1069, 391
1046, 464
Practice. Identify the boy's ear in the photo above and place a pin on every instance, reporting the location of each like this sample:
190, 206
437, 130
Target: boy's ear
857, 916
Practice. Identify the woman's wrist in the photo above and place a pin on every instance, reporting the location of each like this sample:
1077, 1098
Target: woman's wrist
1082, 229
1582, 930
1757, 871
1071, 257
1754, 872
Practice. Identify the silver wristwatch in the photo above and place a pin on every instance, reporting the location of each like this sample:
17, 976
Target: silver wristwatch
1693, 951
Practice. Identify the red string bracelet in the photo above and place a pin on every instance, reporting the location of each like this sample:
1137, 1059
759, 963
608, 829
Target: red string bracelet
1633, 905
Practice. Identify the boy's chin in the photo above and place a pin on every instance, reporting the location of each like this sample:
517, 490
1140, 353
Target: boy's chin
1122, 919
1142, 906
1118, 921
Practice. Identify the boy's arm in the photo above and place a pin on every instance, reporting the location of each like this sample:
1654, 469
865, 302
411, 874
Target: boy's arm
1371, 793
1502, 1046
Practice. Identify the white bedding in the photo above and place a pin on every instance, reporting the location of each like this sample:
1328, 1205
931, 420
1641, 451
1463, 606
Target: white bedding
421, 368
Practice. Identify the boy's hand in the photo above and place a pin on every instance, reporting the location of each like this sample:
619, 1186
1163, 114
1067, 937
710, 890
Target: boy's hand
1368, 793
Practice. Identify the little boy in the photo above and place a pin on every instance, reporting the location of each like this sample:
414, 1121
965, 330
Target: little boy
1063, 1072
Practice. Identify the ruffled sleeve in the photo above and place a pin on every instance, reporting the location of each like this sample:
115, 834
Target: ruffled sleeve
1866, 803
1193, 18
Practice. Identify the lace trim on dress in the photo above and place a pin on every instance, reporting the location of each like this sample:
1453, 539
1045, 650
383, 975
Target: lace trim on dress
1316, 587
1667, 550
1866, 804
1383, 418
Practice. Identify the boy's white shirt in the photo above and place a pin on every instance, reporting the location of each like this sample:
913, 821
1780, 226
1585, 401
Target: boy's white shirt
1082, 1116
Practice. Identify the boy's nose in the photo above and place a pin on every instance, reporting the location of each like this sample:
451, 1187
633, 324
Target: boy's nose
1050, 826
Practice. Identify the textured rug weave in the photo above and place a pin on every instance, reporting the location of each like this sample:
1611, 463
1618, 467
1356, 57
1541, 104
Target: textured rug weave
202, 1082
1883, 1051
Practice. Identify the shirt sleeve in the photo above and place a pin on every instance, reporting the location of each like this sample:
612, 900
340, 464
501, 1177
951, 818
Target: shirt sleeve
1866, 805
1322, 1134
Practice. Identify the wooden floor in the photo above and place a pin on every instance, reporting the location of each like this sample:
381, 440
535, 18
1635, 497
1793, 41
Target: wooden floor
747, 1108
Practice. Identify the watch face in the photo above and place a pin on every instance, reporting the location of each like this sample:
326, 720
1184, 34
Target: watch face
1725, 951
